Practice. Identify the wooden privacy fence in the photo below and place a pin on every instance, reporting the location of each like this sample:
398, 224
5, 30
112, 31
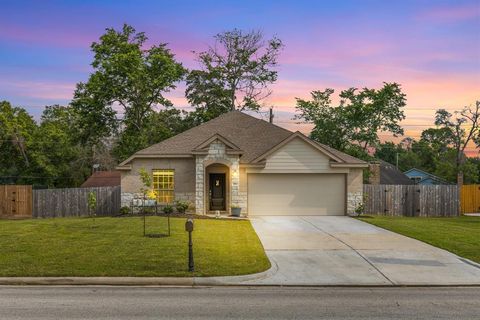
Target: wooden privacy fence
412, 200
73, 202
15, 201
470, 198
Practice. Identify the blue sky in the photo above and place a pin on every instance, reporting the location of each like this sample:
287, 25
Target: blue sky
432, 48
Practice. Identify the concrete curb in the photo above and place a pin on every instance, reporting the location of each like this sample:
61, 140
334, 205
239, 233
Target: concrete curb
111, 281
236, 280
233, 281
138, 281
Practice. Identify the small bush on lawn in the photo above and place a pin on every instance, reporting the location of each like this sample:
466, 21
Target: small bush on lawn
167, 209
182, 206
124, 210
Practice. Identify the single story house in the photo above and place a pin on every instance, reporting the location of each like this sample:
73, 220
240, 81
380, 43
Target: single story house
424, 178
383, 172
102, 179
239, 160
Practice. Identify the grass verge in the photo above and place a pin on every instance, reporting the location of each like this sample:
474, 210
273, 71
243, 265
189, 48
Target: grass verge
458, 235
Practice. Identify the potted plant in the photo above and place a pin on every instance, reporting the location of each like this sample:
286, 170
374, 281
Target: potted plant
236, 210
359, 209
360, 206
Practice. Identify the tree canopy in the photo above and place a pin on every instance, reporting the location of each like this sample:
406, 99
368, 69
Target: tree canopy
234, 74
45, 154
459, 130
128, 77
17, 129
440, 149
355, 123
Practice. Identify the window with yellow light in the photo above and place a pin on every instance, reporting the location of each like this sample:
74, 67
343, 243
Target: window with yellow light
164, 185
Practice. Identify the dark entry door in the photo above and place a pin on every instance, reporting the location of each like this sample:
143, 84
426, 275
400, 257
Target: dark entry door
217, 191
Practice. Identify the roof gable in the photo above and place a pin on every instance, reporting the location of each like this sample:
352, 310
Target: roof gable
425, 176
303, 138
417, 172
216, 137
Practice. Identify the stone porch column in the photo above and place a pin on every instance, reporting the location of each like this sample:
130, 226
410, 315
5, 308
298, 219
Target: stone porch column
199, 186
235, 184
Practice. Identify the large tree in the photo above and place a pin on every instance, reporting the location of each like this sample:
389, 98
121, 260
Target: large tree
60, 160
128, 75
17, 129
44, 154
234, 73
462, 129
357, 119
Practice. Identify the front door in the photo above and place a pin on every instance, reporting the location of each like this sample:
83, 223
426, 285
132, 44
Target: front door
217, 191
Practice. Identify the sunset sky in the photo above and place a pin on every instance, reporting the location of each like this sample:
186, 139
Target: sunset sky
432, 48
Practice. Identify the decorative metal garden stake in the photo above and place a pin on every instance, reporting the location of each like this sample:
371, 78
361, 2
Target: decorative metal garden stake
144, 223
189, 229
168, 221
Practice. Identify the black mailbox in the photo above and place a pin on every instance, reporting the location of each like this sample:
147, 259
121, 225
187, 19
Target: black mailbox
189, 225
189, 229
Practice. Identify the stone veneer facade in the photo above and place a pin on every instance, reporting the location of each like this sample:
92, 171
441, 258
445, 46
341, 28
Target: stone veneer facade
217, 153
354, 189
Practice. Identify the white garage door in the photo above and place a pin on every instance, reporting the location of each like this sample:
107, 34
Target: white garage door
296, 194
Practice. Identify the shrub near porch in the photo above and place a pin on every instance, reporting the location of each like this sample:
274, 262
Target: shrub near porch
116, 247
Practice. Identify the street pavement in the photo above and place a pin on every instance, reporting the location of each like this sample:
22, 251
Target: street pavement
36, 302
329, 250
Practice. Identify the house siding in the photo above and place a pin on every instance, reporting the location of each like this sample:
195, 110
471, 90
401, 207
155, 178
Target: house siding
297, 155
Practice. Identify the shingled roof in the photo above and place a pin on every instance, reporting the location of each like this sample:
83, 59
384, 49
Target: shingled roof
253, 136
102, 179
389, 174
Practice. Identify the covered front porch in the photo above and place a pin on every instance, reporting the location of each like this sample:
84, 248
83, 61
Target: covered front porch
217, 180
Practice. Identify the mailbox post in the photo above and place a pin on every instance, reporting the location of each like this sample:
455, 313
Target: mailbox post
189, 229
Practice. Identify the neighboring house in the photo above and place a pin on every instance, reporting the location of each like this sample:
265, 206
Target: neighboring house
239, 160
102, 179
421, 177
389, 174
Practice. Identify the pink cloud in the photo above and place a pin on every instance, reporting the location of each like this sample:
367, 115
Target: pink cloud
330, 51
452, 13
39, 89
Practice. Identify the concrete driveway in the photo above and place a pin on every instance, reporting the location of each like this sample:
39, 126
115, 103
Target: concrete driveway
328, 250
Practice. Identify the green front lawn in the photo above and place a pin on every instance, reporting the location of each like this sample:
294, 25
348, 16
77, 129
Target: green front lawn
458, 235
116, 247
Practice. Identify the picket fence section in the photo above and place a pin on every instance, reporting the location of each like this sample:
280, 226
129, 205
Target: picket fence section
73, 202
470, 202
412, 200
15, 201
